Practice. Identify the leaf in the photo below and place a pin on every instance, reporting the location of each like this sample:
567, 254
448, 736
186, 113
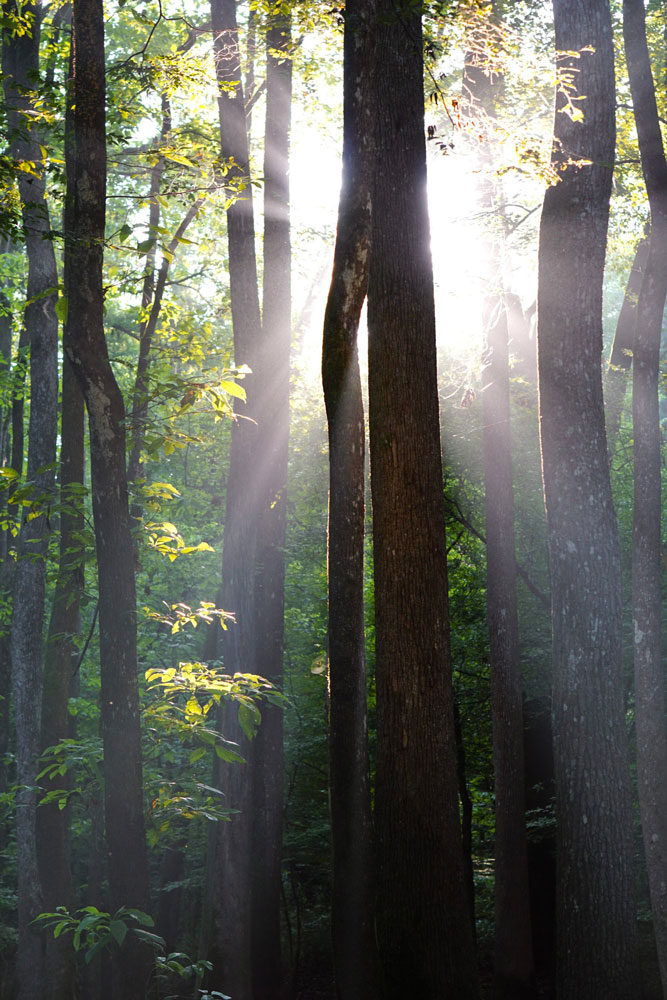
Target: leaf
233, 389
124, 232
224, 753
97, 948
139, 915
249, 718
152, 939
193, 707
118, 931
61, 308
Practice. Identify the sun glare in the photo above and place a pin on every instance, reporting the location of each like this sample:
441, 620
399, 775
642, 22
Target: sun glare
452, 197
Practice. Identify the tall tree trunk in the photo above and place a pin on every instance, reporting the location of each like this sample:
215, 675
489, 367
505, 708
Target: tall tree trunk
514, 971
423, 923
596, 947
86, 349
6, 565
21, 63
620, 358
273, 416
354, 947
148, 322
646, 542
230, 890
60, 653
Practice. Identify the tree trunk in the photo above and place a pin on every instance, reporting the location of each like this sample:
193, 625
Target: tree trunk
354, 947
273, 417
21, 63
6, 565
86, 349
514, 976
620, 359
423, 923
53, 844
596, 944
230, 893
514, 971
646, 551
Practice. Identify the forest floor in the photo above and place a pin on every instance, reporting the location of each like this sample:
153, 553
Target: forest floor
316, 982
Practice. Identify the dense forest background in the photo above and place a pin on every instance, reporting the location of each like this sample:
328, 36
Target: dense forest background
331, 532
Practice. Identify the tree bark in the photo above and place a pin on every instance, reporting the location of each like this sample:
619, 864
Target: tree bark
513, 964
423, 924
354, 947
86, 349
514, 975
21, 63
6, 565
273, 417
596, 937
646, 537
620, 358
53, 842
230, 946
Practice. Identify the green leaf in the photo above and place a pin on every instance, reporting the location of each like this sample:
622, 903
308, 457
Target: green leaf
97, 948
118, 931
249, 718
193, 707
224, 753
61, 308
139, 915
152, 939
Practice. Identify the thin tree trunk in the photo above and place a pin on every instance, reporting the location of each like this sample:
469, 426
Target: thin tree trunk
86, 349
620, 358
139, 395
423, 923
153, 305
273, 416
466, 817
53, 844
514, 976
6, 565
21, 63
646, 540
230, 889
596, 947
354, 947
514, 972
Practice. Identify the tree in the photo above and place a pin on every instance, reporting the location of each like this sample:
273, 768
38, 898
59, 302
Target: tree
21, 66
596, 949
514, 975
646, 541
355, 960
423, 923
273, 377
60, 654
245, 906
86, 349
620, 357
